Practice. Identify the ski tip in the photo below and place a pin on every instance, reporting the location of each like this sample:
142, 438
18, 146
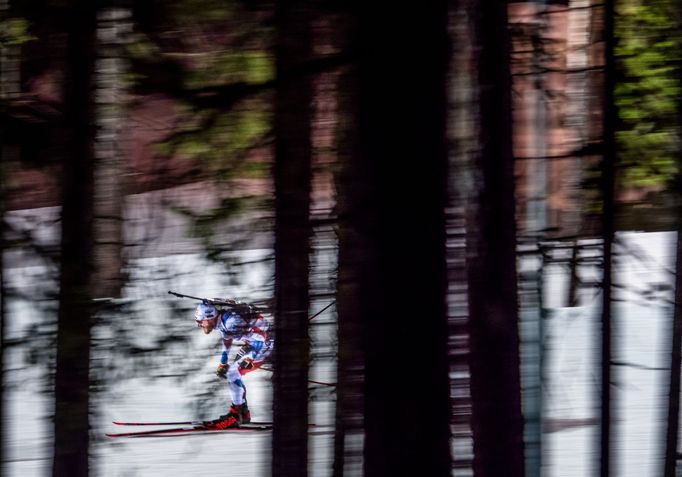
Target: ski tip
255, 427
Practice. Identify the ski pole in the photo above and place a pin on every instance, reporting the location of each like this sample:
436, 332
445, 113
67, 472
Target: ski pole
311, 381
321, 383
322, 310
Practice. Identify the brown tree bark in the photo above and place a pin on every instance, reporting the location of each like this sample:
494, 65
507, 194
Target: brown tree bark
497, 422
608, 183
352, 192
399, 195
293, 117
72, 382
7, 88
111, 147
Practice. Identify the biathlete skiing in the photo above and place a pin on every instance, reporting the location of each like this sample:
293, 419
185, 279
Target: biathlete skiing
240, 322
236, 322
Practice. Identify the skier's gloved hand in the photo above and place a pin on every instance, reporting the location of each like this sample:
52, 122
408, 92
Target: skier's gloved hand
221, 372
247, 363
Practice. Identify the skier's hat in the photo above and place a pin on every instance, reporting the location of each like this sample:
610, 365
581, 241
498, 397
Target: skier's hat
205, 311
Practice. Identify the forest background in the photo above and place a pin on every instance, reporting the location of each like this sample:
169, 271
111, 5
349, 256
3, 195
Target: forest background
440, 158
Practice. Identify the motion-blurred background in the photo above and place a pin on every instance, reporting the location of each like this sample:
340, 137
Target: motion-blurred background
483, 197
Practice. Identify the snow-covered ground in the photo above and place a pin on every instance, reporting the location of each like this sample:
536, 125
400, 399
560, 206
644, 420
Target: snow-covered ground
570, 387
144, 396
641, 327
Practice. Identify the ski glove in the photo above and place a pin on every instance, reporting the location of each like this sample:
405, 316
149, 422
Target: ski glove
222, 370
247, 363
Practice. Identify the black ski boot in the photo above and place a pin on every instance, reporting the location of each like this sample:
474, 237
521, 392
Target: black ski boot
245, 413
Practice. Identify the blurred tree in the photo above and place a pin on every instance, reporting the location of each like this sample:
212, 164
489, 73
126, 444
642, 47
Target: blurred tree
4, 8
111, 147
671, 428
214, 60
3, 293
3, 290
463, 141
497, 423
6, 89
396, 195
72, 382
292, 174
607, 189
13, 33
352, 191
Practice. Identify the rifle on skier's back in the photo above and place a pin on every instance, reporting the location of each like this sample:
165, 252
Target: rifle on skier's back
226, 302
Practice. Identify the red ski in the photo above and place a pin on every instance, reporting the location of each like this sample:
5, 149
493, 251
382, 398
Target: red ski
197, 429
183, 423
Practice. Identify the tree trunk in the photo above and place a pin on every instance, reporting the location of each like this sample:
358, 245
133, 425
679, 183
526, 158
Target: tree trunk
353, 250
497, 422
71, 419
399, 196
573, 280
3, 297
114, 25
293, 116
673, 411
7, 88
462, 112
608, 230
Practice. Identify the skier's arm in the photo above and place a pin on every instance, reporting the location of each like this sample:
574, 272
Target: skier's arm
227, 344
223, 366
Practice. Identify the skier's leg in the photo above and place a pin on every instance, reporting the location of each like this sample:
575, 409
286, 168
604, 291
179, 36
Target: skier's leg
235, 384
243, 364
233, 418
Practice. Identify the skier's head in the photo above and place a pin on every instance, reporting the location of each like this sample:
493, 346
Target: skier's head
206, 316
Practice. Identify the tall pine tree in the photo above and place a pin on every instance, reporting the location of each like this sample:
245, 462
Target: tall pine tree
398, 214
497, 422
608, 184
293, 116
72, 381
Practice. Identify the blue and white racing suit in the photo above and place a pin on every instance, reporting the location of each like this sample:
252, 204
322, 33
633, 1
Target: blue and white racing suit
256, 348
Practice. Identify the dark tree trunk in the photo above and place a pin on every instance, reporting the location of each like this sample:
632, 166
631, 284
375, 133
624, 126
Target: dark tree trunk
3, 303
9, 89
293, 116
352, 192
399, 195
497, 422
462, 111
71, 419
608, 230
573, 280
673, 411
3, 295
